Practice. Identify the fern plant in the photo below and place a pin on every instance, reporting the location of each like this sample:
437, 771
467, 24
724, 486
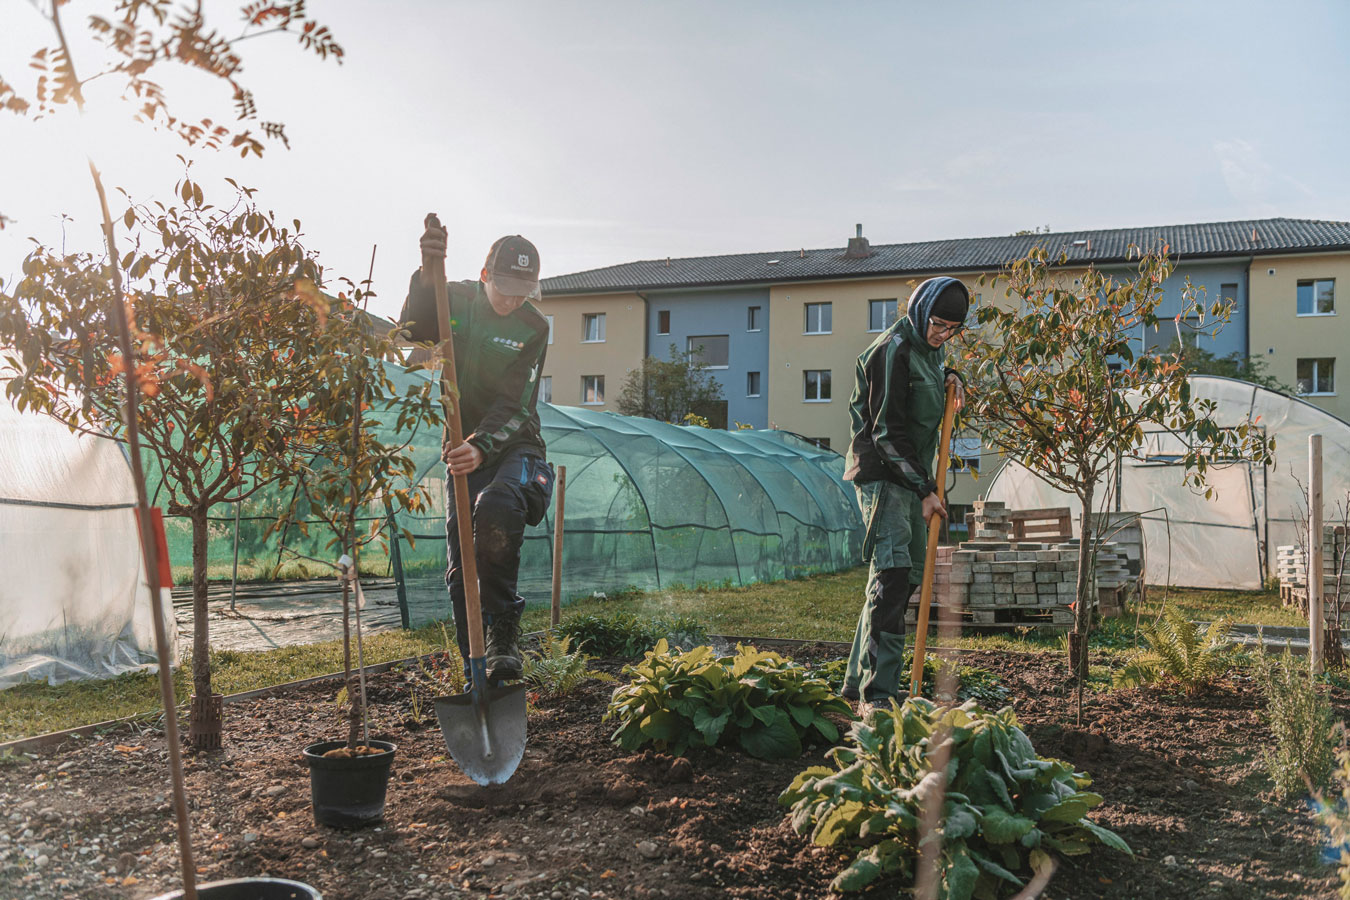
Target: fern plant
555, 669
1177, 652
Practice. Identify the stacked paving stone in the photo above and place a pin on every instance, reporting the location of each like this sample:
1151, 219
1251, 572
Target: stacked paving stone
994, 580
1292, 570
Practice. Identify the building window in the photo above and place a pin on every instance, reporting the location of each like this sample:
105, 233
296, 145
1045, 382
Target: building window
965, 454
1317, 376
881, 314
752, 319
818, 317
592, 390
821, 442
550, 328
593, 328
1317, 298
752, 384
663, 322
546, 388
816, 385
710, 350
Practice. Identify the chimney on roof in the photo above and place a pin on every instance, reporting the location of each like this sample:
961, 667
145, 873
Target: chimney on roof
1255, 237
858, 247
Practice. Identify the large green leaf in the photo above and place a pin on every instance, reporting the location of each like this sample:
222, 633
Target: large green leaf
710, 724
961, 874
776, 740
1002, 827
1106, 836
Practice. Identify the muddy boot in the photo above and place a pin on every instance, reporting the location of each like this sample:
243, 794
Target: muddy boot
503, 648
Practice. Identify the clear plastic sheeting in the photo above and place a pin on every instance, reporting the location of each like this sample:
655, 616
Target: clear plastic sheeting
74, 600
651, 506
1231, 540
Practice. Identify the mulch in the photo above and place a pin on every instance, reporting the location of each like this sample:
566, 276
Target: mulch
582, 818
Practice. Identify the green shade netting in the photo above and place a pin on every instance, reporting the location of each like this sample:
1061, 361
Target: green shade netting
649, 505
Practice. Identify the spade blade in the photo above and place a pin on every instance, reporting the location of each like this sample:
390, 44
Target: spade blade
486, 739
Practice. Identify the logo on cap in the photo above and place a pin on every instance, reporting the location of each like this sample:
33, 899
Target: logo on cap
523, 261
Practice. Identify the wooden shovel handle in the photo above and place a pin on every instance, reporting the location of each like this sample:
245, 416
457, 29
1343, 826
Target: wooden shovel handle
454, 436
930, 553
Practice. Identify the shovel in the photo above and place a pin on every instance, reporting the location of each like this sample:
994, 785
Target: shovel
484, 727
930, 553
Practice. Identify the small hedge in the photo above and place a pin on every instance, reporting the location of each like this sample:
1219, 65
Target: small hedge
1005, 810
627, 636
754, 700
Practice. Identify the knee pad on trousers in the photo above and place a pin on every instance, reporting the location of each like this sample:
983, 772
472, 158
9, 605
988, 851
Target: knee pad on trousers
893, 591
498, 524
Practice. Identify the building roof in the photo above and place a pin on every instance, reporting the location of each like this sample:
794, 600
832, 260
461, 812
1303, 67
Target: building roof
1198, 241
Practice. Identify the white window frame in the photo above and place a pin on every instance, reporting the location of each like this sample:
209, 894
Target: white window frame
1315, 360
806, 373
586, 319
689, 348
895, 300
1314, 282
550, 328
753, 314
806, 321
546, 388
759, 377
967, 447
600, 390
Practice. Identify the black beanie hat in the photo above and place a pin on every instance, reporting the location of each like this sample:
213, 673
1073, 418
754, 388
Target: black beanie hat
952, 303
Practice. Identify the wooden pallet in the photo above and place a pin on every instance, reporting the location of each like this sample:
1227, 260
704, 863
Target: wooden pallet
1048, 525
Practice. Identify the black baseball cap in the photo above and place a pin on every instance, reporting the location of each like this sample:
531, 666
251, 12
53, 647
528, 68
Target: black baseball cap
513, 266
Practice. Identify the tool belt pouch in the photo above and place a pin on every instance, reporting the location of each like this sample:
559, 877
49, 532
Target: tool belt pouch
538, 488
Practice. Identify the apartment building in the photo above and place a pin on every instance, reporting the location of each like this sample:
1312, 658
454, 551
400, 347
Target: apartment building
782, 330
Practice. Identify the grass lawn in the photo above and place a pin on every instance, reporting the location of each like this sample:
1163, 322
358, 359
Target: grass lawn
824, 607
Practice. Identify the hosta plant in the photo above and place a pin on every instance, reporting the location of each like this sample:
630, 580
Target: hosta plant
1179, 654
753, 700
1006, 809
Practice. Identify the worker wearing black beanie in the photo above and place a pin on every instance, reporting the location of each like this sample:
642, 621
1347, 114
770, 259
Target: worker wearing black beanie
896, 418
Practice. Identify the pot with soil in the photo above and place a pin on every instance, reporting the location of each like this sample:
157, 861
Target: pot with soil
347, 785
250, 889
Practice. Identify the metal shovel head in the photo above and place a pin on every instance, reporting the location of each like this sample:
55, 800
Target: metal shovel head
486, 739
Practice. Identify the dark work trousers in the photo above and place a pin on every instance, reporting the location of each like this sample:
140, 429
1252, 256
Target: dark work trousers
503, 494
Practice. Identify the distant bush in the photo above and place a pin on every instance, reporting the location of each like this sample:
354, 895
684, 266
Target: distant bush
627, 636
1005, 810
1177, 653
1302, 723
753, 700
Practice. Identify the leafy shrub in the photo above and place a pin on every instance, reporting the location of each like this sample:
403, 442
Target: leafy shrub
1335, 815
628, 636
755, 700
1005, 810
975, 683
1177, 653
1302, 723
555, 670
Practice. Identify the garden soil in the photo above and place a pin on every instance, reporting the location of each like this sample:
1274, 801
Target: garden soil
581, 818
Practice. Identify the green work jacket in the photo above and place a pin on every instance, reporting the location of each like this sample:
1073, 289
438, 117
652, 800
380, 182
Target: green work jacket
497, 360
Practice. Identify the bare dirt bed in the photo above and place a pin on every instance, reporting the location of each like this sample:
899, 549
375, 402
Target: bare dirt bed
581, 818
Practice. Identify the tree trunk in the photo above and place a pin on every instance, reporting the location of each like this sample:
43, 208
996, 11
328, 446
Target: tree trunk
204, 719
1082, 616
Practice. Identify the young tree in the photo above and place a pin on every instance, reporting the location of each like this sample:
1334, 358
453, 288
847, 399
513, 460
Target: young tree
669, 390
1058, 383
234, 349
353, 467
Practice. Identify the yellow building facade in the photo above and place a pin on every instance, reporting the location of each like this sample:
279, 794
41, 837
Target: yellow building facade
1300, 325
595, 340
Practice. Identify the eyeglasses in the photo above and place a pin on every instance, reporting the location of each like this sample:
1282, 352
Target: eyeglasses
948, 328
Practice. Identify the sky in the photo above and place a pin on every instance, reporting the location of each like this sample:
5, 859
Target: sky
608, 132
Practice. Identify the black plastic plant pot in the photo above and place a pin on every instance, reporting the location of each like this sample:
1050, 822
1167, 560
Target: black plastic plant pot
348, 793
250, 889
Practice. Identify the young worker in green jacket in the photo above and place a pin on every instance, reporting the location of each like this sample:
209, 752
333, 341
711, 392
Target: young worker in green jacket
500, 340
896, 416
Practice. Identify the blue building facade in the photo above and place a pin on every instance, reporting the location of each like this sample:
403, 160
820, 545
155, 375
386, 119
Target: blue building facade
1212, 280
731, 326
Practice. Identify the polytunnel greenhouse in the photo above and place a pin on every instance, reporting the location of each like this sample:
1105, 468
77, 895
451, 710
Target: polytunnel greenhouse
648, 506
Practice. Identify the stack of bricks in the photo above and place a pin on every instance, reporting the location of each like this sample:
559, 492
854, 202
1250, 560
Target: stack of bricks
1292, 570
992, 580
1120, 582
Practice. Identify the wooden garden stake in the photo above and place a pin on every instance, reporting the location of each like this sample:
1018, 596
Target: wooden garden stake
1315, 625
561, 487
